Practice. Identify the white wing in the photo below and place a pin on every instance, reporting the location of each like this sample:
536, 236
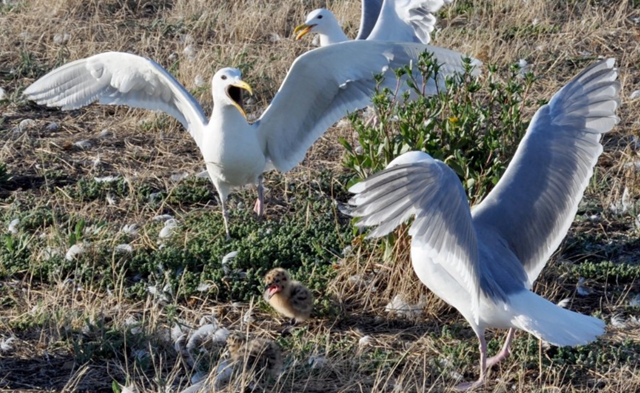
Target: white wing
406, 21
115, 78
533, 205
414, 184
369, 17
325, 84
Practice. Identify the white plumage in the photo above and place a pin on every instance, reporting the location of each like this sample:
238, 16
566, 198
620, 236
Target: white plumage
322, 86
381, 20
484, 262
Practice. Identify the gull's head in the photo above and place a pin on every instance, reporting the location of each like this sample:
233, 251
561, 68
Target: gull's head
320, 21
277, 280
227, 86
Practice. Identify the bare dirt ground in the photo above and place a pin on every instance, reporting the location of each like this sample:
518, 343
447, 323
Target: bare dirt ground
106, 316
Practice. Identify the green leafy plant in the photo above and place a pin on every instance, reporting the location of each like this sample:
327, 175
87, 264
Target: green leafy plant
473, 125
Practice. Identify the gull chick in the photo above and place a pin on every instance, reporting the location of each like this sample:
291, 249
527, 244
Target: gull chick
484, 261
261, 356
288, 297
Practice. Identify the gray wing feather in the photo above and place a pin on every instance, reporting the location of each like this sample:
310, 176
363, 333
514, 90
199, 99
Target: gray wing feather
430, 191
369, 17
328, 83
114, 78
533, 205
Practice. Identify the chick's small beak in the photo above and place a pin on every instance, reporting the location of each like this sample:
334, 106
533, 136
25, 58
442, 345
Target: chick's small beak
243, 85
302, 30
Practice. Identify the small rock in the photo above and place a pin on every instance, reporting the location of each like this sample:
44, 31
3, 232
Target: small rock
634, 95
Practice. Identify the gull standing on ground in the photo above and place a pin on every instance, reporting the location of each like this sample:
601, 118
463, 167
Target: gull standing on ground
484, 262
381, 20
322, 86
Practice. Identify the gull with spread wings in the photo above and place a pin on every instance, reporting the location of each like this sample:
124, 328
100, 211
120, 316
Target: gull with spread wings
484, 261
322, 86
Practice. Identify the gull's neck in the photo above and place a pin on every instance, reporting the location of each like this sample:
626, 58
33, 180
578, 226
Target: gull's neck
332, 35
227, 115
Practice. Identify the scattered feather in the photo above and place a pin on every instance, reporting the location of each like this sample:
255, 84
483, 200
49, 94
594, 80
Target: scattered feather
199, 81
635, 95
618, 321
52, 127
74, 251
168, 228
317, 362
190, 52
622, 206
224, 371
365, 341
582, 289
564, 302
105, 133
13, 226
403, 309
123, 248
111, 199
3, 95
83, 144
176, 177
275, 37
106, 179
524, 67
248, 317
26, 124
6, 344
203, 287
130, 229
61, 38
160, 295
635, 302
162, 217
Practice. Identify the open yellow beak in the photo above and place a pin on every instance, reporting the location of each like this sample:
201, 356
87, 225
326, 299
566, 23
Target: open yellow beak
245, 86
302, 30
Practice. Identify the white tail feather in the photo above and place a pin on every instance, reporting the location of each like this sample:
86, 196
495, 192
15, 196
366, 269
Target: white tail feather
551, 323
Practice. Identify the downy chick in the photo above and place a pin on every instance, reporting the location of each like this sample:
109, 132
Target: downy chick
261, 356
287, 296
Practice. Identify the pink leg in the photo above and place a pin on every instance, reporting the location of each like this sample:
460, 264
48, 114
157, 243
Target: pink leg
504, 352
483, 367
258, 208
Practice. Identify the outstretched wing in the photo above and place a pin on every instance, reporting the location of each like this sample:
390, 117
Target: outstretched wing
533, 205
115, 78
406, 21
369, 17
326, 84
414, 184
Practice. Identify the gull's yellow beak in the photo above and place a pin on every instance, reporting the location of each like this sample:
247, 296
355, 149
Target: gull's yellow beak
302, 30
243, 85
234, 92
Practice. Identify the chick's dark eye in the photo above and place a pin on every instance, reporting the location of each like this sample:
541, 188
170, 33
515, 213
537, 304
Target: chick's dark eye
224, 77
319, 16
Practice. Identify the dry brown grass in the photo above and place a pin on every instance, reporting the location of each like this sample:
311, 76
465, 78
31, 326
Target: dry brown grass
557, 38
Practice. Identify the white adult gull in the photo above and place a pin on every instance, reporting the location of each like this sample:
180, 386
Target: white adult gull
382, 20
322, 86
484, 261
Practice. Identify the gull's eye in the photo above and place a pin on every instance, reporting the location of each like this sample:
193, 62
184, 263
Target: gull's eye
224, 77
319, 16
